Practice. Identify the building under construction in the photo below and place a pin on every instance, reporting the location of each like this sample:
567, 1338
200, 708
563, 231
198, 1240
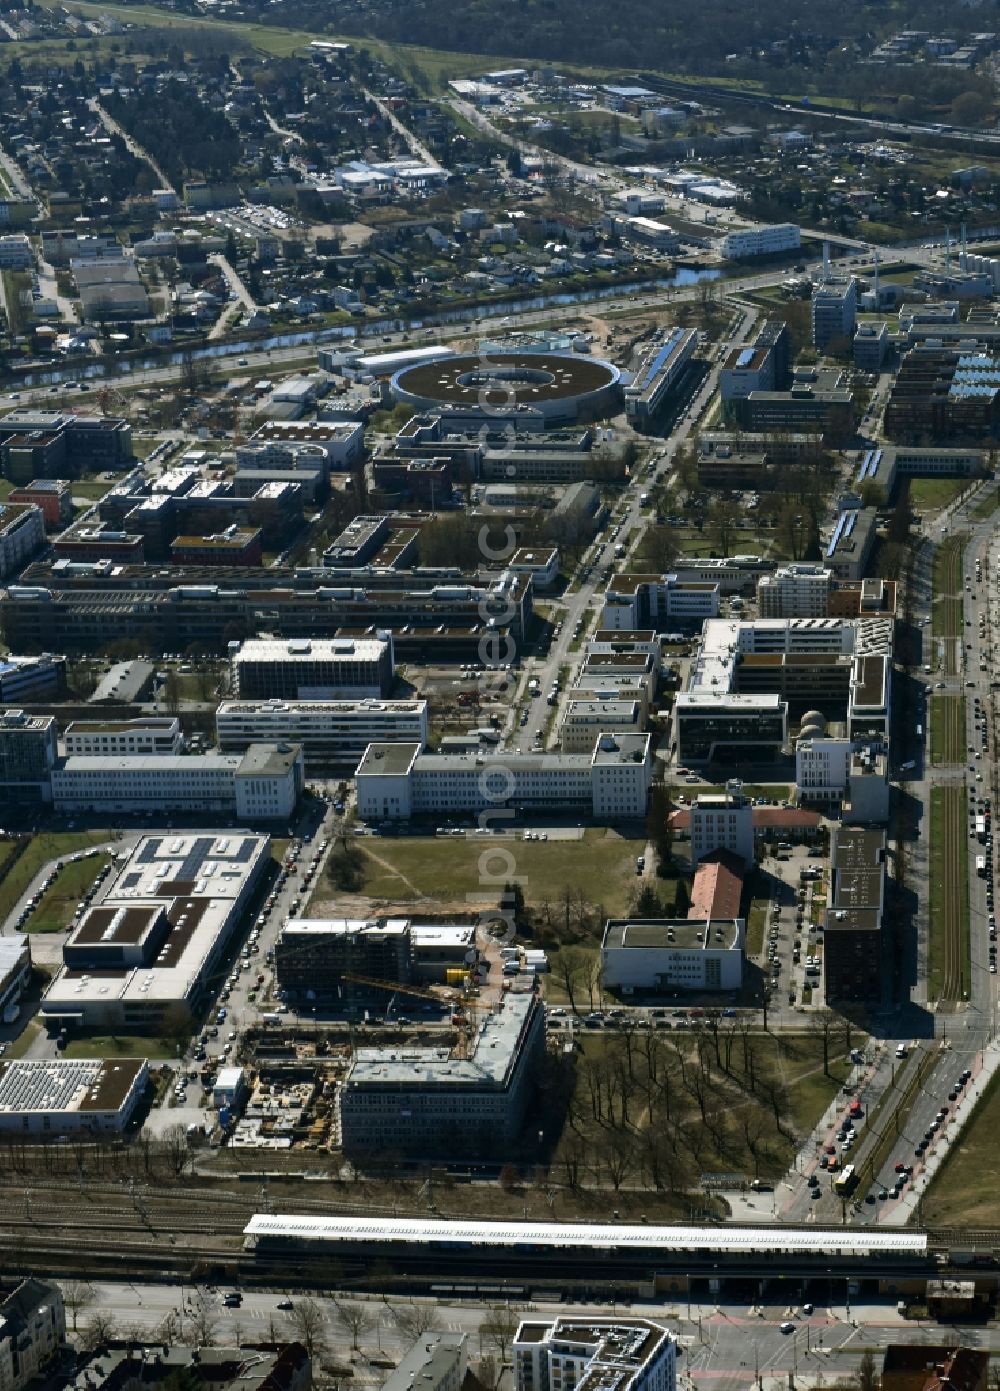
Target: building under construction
360, 960
468, 1103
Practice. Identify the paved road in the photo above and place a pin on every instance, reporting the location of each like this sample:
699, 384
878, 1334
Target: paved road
731, 1342
582, 605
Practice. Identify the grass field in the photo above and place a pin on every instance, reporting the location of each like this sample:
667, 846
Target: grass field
756, 926
948, 604
966, 1188
928, 494
600, 866
120, 1046
55, 912
437, 65
947, 729
987, 505
949, 963
50, 845
741, 1110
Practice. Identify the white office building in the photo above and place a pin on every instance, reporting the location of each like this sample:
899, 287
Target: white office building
722, 821
65, 1096
156, 939
149, 734
800, 590
822, 768
594, 1353
585, 717
397, 781
263, 784
333, 733
672, 954
761, 241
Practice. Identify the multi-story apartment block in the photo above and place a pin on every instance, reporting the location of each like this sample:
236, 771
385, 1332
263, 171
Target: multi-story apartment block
32, 1331
594, 1354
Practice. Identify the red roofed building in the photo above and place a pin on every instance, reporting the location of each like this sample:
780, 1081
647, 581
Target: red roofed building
718, 886
915, 1367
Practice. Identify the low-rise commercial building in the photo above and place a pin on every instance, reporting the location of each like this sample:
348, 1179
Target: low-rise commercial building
659, 372
67, 1096
594, 1354
649, 955
659, 601
333, 734
31, 679
708, 725
428, 1102
148, 949
585, 717
53, 496
147, 734
761, 241
397, 781
262, 784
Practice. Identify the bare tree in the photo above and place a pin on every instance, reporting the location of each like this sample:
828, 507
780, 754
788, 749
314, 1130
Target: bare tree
202, 1323
77, 1295
867, 1374
356, 1318
488, 1372
309, 1322
415, 1319
99, 1331
498, 1328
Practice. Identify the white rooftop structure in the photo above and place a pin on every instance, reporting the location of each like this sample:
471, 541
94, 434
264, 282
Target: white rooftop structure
841, 1241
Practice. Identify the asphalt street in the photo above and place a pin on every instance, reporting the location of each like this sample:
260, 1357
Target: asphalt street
728, 1344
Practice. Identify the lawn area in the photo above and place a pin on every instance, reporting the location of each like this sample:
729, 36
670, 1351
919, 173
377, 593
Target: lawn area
756, 926
55, 912
948, 603
24, 1040
965, 1191
928, 494
92, 488
986, 506
947, 729
600, 866
49, 845
120, 1046
742, 1109
949, 954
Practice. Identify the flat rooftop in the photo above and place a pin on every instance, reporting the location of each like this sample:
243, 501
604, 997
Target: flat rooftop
311, 649
61, 1085
198, 881
493, 1052
672, 934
